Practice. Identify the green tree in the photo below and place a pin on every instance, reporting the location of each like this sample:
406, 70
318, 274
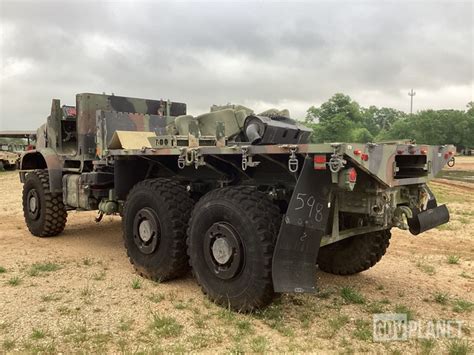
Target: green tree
340, 119
362, 135
380, 119
338, 105
335, 119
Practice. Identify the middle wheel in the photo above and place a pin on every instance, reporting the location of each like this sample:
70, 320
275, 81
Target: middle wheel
230, 246
154, 227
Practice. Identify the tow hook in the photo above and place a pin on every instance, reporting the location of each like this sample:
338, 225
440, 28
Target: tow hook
451, 162
401, 216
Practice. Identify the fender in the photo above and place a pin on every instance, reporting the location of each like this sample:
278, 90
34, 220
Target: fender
47, 159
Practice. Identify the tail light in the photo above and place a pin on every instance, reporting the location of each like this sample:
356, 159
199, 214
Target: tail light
347, 179
352, 175
319, 162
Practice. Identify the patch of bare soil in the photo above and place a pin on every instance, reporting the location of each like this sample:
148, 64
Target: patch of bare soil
78, 292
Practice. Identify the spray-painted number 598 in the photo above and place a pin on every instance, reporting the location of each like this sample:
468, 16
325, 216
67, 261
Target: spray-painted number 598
309, 203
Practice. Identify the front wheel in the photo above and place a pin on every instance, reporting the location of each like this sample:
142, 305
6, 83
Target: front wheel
355, 254
230, 245
44, 211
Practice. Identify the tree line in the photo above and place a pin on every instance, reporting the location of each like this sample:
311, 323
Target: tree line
341, 119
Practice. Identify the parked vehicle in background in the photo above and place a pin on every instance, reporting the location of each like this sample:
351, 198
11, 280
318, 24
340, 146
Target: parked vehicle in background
12, 144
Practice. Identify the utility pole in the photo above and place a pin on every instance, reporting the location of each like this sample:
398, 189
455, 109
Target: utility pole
411, 94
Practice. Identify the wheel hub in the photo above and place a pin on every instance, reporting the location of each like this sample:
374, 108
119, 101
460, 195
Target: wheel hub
223, 250
146, 230
33, 202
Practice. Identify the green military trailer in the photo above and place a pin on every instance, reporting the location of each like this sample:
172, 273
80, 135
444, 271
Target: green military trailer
241, 198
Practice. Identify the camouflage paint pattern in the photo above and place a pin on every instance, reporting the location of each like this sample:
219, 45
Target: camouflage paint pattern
87, 105
109, 122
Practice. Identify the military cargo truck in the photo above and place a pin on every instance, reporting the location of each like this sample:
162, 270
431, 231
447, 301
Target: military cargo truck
8, 159
241, 198
12, 143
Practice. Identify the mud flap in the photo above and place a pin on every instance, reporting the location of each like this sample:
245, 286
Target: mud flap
428, 219
297, 246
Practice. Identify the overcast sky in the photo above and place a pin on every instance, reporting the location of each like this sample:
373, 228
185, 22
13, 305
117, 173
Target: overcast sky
262, 54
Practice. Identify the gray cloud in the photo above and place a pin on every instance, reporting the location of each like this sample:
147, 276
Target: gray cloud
263, 54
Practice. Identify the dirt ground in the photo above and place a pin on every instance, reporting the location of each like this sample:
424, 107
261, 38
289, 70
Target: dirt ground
78, 292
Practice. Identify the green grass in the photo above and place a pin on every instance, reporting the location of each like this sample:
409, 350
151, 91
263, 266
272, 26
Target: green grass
338, 322
198, 341
156, 297
400, 308
376, 307
125, 324
86, 291
305, 319
14, 281
87, 262
453, 259
99, 276
447, 227
259, 344
8, 344
165, 326
180, 305
324, 294
465, 275
226, 314
38, 334
2, 270
244, 327
441, 297
461, 306
39, 268
427, 346
273, 316
363, 330
50, 298
136, 284
459, 347
426, 268
352, 296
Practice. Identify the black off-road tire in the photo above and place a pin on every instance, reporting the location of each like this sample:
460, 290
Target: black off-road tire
170, 204
10, 167
49, 217
355, 254
254, 221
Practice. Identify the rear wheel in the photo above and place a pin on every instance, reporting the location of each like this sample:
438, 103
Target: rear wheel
44, 211
355, 254
155, 219
230, 246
